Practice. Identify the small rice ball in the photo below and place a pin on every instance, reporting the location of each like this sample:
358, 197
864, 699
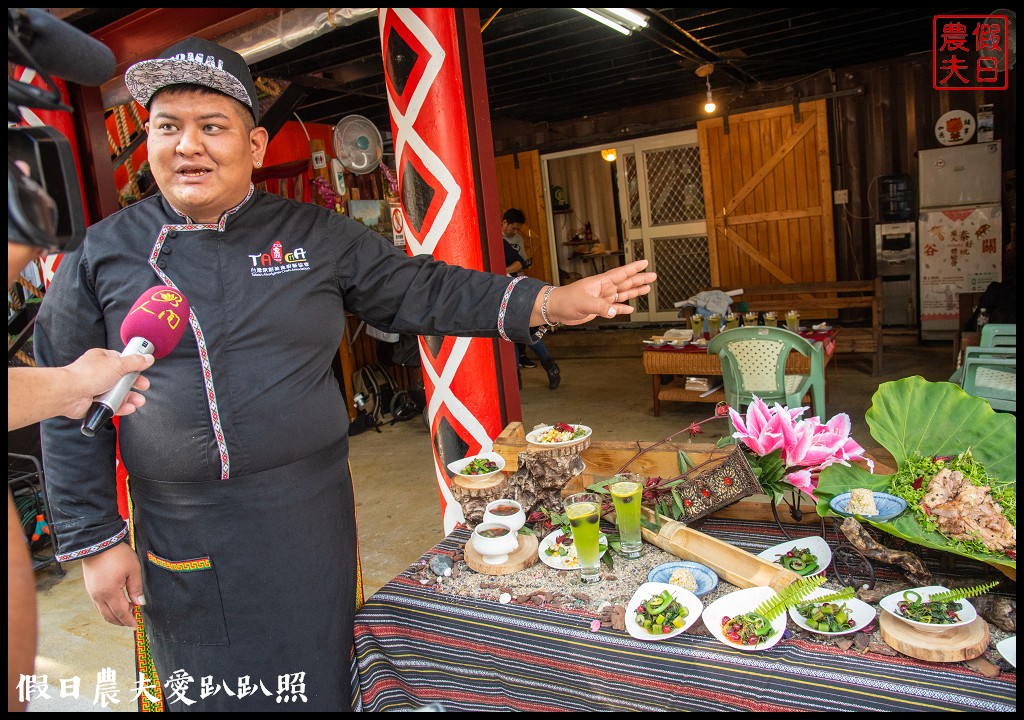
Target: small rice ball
684, 579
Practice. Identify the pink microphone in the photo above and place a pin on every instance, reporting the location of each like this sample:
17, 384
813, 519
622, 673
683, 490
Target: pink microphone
154, 326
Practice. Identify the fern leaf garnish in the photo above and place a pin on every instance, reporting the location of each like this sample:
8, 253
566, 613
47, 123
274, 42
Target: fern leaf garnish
962, 593
845, 594
774, 606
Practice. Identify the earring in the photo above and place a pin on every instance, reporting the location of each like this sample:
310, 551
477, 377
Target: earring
259, 164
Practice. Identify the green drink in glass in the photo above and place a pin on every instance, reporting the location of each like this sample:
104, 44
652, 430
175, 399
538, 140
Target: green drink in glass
627, 492
584, 513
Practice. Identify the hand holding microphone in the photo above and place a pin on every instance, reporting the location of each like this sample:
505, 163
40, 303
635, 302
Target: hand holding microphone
154, 326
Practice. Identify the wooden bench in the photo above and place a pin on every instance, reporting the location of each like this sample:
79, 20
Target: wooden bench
812, 300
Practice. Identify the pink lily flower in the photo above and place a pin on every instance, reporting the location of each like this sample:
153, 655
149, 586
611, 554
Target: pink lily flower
807, 445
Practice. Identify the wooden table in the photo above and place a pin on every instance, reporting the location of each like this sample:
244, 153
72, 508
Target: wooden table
686, 362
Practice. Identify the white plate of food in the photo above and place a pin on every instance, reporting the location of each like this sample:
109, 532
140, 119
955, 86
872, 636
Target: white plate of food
846, 616
558, 435
815, 557
1007, 647
906, 605
478, 467
551, 552
705, 578
732, 608
677, 608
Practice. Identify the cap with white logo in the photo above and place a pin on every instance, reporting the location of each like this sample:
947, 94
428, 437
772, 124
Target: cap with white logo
195, 61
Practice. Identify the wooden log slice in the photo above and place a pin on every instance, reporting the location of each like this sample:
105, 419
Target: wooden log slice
464, 487
523, 557
953, 645
474, 495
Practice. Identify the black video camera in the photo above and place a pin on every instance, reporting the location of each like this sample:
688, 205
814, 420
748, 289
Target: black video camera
44, 200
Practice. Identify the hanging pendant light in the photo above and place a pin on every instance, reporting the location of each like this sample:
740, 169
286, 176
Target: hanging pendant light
705, 71
609, 154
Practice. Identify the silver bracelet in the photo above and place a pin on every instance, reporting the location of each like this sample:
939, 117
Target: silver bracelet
544, 306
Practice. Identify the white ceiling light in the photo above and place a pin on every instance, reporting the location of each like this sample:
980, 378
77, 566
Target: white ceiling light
622, 20
629, 16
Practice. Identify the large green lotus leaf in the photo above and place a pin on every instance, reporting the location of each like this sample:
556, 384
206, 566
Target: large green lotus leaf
914, 415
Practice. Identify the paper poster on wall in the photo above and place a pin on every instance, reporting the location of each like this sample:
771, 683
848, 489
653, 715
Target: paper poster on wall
961, 252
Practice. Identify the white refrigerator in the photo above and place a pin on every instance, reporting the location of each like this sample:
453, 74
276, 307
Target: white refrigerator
960, 230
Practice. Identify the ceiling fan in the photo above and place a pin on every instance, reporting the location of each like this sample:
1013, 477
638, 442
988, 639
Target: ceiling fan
357, 144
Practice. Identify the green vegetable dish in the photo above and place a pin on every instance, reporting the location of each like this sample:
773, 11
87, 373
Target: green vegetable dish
800, 560
747, 629
914, 608
828, 617
661, 614
480, 466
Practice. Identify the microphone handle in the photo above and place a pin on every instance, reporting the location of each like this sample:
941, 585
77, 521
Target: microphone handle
104, 406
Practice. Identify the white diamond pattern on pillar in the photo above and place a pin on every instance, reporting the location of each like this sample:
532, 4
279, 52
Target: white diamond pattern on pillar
405, 133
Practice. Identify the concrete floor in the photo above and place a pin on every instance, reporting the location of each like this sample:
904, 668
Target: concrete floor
603, 386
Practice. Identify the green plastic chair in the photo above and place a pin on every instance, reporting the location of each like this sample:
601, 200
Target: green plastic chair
754, 363
993, 335
991, 373
998, 335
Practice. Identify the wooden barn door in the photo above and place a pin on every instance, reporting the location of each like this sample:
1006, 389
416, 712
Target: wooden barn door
519, 185
768, 197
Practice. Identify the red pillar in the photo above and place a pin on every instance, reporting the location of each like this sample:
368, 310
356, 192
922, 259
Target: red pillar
444, 161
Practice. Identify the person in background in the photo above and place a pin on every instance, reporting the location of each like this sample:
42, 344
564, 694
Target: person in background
515, 265
242, 558
33, 394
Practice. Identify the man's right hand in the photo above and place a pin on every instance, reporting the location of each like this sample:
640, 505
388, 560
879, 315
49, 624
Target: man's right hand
108, 576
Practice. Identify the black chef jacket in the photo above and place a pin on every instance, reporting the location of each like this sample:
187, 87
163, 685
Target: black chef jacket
241, 446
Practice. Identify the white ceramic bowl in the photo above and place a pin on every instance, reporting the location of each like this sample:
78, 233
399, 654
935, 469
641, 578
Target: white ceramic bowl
737, 603
494, 541
648, 590
814, 543
1007, 647
569, 561
861, 613
505, 511
533, 437
890, 604
459, 466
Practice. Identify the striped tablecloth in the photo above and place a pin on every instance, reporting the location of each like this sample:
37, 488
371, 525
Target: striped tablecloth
416, 646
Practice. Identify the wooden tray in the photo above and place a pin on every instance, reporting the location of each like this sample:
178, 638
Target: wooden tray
953, 645
521, 558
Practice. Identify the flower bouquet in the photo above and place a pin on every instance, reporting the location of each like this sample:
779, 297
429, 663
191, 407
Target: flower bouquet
787, 452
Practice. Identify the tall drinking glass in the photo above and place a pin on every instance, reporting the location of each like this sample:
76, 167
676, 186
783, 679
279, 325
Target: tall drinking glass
793, 320
584, 513
714, 324
627, 492
697, 325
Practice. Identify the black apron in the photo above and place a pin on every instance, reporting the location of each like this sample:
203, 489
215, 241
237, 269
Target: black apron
255, 574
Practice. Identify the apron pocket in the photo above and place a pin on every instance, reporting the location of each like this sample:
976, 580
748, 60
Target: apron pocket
188, 606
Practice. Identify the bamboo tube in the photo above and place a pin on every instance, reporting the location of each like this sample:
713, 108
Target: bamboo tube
735, 566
